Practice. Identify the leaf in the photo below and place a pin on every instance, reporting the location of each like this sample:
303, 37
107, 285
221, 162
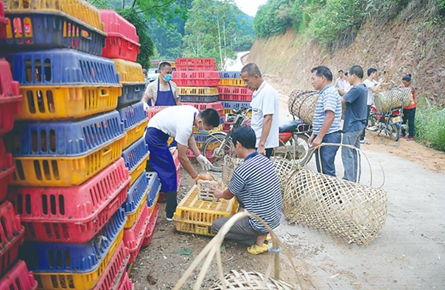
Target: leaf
222, 249
184, 252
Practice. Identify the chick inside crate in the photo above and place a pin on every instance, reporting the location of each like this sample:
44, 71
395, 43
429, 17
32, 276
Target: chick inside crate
196, 216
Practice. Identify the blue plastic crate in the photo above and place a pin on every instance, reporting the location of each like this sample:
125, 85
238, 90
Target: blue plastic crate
235, 105
131, 94
46, 30
198, 99
132, 115
62, 67
202, 138
229, 74
155, 186
73, 258
64, 138
136, 194
134, 154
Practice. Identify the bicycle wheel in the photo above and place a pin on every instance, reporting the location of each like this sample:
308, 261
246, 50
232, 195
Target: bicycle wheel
215, 148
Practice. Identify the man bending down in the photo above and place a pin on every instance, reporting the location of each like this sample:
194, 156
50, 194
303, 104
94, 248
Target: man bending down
257, 189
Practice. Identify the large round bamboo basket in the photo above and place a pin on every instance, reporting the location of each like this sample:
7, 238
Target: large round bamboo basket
353, 211
250, 281
284, 168
395, 98
301, 104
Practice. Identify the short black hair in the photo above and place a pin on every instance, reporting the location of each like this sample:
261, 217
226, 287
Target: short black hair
164, 64
210, 117
251, 69
340, 71
322, 70
356, 70
371, 70
245, 136
407, 78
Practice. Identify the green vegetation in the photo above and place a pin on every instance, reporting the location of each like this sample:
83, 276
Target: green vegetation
335, 23
430, 124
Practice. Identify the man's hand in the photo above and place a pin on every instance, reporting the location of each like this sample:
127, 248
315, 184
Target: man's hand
218, 193
317, 141
261, 149
146, 106
310, 140
205, 163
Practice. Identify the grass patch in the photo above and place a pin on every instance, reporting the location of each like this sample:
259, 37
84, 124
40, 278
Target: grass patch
430, 124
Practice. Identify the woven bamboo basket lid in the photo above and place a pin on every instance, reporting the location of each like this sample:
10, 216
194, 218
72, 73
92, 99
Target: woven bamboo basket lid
301, 104
395, 98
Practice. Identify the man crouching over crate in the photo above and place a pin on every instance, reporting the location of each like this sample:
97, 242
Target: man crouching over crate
257, 188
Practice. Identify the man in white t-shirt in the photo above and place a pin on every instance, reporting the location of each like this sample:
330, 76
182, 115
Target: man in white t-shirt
265, 109
177, 122
340, 82
372, 87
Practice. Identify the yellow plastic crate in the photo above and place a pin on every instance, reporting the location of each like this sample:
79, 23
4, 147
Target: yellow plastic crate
196, 216
229, 111
66, 102
216, 129
135, 133
210, 146
58, 281
199, 91
132, 218
140, 168
78, 9
231, 82
65, 171
129, 72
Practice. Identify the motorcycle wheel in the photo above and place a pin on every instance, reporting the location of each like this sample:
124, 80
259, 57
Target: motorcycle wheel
303, 152
394, 132
215, 148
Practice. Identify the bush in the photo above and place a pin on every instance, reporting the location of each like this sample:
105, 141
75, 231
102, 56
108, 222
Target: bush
430, 125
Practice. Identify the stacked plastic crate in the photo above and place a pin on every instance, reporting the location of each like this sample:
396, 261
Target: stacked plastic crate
14, 273
232, 94
197, 81
70, 180
122, 46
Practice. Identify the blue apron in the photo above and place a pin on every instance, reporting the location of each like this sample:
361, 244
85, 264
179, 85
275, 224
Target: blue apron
161, 159
164, 98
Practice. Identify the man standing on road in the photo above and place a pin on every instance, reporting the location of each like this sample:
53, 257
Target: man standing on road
354, 123
326, 122
372, 87
340, 82
163, 92
265, 110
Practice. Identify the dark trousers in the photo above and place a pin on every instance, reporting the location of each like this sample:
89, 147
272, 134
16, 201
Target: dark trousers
327, 154
408, 118
269, 152
364, 130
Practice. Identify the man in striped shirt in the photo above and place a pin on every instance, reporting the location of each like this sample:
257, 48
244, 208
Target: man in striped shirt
257, 188
326, 122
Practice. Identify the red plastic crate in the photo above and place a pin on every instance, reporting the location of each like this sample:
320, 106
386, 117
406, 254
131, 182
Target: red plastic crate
122, 41
133, 237
3, 21
126, 284
196, 78
8, 87
195, 64
11, 235
71, 214
192, 157
151, 227
6, 170
154, 110
202, 106
18, 278
9, 107
235, 94
114, 274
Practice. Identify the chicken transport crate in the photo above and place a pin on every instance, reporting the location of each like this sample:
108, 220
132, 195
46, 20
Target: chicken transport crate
231, 82
42, 103
202, 106
66, 138
44, 257
87, 281
135, 133
216, 129
230, 74
9, 107
154, 110
192, 156
18, 278
122, 40
7, 169
136, 198
65, 171
195, 64
151, 226
129, 72
153, 193
40, 30
114, 274
126, 284
198, 91
3, 21
75, 214
198, 99
135, 158
196, 78
11, 235
238, 94
131, 93
62, 67
196, 216
235, 105
132, 115
8, 87
134, 236
200, 140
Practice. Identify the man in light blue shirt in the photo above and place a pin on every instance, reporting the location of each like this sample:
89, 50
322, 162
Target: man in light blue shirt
326, 121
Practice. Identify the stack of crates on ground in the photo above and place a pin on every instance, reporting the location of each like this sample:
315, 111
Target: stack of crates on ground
232, 94
70, 181
14, 273
122, 46
197, 81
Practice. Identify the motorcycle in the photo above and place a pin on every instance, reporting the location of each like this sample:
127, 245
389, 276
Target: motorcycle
388, 123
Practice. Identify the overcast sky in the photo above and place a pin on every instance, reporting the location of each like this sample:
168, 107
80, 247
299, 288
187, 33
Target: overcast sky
249, 6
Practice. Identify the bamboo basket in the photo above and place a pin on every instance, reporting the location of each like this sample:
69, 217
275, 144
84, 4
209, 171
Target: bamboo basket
240, 279
301, 104
284, 168
395, 98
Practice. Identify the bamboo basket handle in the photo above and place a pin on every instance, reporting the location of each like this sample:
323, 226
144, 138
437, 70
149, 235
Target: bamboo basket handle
213, 248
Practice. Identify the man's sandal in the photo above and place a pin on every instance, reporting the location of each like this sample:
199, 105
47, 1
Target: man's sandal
256, 250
